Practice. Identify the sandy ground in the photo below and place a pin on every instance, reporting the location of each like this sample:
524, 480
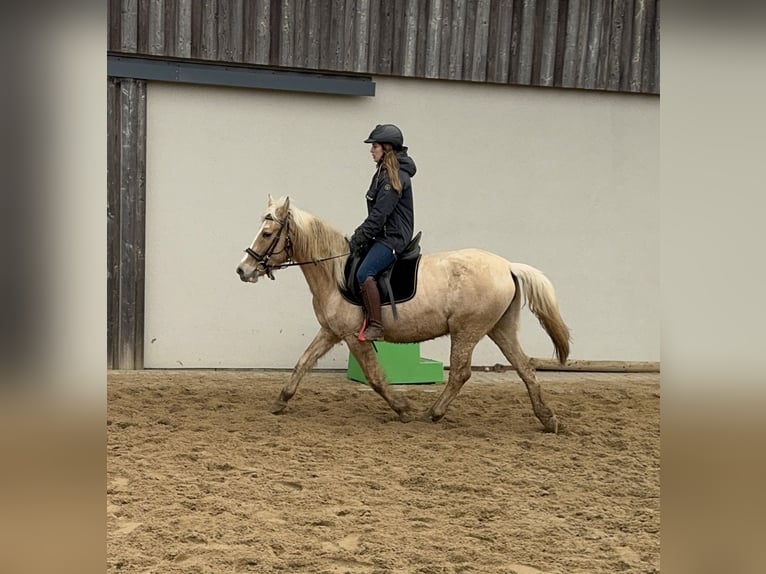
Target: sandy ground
201, 478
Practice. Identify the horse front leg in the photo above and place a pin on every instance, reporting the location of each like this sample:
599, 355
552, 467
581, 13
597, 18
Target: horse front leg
368, 360
323, 342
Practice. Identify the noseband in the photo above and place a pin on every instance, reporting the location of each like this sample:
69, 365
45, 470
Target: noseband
263, 260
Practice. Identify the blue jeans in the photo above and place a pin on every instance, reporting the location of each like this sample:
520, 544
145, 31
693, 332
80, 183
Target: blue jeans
378, 258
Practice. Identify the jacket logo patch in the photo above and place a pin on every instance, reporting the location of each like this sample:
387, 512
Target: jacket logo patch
387, 187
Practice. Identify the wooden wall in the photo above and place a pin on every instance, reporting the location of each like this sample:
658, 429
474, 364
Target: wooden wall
126, 209
593, 44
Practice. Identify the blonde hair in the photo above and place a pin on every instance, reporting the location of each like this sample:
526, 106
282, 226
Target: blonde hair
391, 163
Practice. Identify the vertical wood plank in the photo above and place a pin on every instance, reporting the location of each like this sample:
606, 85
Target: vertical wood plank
237, 31
113, 221
639, 14
569, 73
143, 27
169, 27
248, 36
434, 40
446, 28
625, 49
647, 60
129, 26
421, 38
527, 41
313, 35
139, 227
325, 38
594, 43
223, 31
374, 30
561, 37
114, 42
209, 46
656, 50
549, 42
348, 35
386, 41
617, 25
275, 36
196, 29
516, 22
183, 37
501, 28
337, 28
582, 41
603, 52
300, 51
457, 41
156, 28
262, 36
537, 40
480, 42
362, 31
468, 41
287, 34
410, 37
492, 42
128, 164
397, 41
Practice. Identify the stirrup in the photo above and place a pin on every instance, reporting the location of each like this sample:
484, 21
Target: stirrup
380, 333
362, 339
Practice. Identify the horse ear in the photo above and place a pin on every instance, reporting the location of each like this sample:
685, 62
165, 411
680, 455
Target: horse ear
271, 200
283, 209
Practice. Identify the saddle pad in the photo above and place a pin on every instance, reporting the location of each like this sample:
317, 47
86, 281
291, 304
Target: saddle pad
404, 278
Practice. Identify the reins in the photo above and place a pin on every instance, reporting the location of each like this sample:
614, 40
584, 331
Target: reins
314, 261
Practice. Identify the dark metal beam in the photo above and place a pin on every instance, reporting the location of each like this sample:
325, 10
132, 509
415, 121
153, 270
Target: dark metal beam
237, 76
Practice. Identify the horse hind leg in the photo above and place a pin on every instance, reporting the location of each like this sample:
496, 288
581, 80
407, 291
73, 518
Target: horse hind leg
504, 335
461, 352
323, 342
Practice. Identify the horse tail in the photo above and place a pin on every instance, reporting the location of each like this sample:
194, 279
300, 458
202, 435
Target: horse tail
541, 297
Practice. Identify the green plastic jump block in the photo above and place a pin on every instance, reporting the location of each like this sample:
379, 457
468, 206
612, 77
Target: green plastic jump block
402, 365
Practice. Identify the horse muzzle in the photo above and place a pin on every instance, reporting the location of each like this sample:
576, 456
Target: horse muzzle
251, 277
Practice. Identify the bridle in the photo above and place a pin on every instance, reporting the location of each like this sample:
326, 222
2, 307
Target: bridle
263, 260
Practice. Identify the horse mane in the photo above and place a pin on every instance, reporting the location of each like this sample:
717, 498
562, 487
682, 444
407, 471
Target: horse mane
314, 238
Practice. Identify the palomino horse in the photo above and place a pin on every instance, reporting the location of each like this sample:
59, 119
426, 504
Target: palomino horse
467, 294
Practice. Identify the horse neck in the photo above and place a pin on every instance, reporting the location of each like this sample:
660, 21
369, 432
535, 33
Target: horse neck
321, 278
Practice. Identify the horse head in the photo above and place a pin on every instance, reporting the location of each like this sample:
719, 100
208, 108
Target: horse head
272, 245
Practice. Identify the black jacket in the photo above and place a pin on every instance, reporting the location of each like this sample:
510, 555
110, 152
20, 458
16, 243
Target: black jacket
390, 215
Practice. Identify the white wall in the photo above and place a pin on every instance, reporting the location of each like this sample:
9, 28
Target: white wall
564, 180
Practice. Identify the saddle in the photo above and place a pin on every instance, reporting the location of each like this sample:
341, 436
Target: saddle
396, 284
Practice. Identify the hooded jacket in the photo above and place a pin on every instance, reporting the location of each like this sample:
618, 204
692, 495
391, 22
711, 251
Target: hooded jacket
390, 215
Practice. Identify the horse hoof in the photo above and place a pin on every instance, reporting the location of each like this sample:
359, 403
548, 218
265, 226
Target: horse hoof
278, 408
435, 418
552, 425
406, 417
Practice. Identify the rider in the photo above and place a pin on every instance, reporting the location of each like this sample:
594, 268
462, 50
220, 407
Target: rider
390, 219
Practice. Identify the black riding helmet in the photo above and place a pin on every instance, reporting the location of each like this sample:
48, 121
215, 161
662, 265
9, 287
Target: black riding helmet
387, 133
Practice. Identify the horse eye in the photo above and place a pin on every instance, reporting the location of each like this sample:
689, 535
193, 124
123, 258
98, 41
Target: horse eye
267, 234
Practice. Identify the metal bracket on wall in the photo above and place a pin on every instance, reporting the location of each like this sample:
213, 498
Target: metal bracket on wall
164, 70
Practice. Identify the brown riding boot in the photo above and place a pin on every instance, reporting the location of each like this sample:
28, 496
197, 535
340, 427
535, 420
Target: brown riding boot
371, 300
